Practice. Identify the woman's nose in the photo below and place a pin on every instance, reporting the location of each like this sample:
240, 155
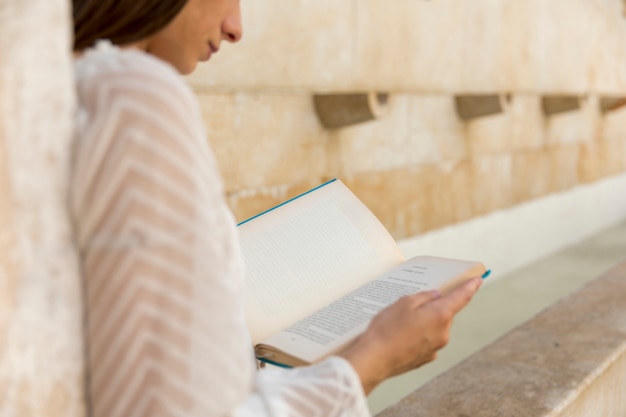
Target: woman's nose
231, 27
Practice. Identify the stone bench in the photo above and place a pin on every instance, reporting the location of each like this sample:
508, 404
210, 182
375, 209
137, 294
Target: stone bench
568, 361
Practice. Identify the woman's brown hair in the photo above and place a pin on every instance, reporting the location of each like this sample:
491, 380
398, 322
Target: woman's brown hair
120, 21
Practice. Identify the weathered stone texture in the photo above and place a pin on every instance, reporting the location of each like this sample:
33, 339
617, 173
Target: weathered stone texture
396, 197
434, 116
299, 44
265, 140
40, 309
415, 200
439, 46
602, 158
564, 162
577, 126
492, 180
531, 175
568, 361
263, 127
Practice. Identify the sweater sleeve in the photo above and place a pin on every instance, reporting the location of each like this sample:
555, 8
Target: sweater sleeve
161, 264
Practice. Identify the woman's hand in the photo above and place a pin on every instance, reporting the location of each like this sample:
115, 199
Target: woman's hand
406, 334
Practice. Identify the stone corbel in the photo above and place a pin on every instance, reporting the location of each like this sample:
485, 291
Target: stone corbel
473, 106
556, 104
346, 109
611, 103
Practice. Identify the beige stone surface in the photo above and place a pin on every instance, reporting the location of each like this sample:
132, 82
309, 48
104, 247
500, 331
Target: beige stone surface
448, 195
520, 127
602, 158
426, 45
616, 156
577, 126
614, 125
591, 166
605, 397
263, 140
437, 46
257, 99
296, 44
41, 373
396, 197
531, 175
490, 134
526, 124
411, 201
563, 162
492, 183
434, 115
401, 138
567, 361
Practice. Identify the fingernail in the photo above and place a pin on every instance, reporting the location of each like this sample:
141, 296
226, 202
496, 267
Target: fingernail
436, 294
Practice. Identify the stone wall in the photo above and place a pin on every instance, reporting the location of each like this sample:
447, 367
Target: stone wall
40, 318
419, 167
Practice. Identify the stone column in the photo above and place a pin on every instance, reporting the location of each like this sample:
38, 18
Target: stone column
41, 348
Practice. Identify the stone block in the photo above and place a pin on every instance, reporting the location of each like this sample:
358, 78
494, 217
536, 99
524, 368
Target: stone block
564, 162
521, 126
568, 361
449, 195
602, 158
615, 151
264, 140
443, 46
434, 115
531, 175
296, 44
415, 200
591, 165
526, 124
396, 140
578, 126
396, 197
432, 46
614, 125
489, 134
491, 183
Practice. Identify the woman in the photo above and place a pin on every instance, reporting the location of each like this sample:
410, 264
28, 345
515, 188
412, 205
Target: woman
158, 246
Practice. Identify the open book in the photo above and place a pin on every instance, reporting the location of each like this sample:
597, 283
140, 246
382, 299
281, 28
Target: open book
320, 266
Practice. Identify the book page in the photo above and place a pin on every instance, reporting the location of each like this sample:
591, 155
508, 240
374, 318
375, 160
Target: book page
326, 330
309, 252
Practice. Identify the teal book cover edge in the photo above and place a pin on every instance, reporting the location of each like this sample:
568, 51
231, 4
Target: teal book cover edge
287, 202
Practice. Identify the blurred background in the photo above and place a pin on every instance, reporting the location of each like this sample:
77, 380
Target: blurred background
499, 119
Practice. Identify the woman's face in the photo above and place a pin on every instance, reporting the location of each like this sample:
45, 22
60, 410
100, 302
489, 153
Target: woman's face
196, 33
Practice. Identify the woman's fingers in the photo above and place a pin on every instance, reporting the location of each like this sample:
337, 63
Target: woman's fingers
407, 334
458, 298
419, 299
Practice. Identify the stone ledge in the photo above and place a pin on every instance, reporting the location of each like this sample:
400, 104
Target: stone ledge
568, 361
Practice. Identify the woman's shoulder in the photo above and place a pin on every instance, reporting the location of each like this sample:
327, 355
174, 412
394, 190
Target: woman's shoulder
108, 70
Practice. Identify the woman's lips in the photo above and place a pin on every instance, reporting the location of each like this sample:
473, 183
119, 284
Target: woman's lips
211, 49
